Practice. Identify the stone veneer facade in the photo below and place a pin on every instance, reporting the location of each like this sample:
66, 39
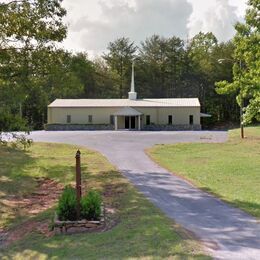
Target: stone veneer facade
88, 127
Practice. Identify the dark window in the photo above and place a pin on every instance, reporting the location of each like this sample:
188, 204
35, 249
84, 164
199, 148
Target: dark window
170, 120
68, 119
90, 118
191, 119
148, 120
112, 120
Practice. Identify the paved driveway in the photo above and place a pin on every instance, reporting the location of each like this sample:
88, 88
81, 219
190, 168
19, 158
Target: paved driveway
227, 233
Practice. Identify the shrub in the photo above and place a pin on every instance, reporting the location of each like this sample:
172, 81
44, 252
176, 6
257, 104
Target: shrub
11, 122
91, 206
67, 206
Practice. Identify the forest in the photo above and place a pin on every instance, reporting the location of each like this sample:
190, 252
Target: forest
34, 70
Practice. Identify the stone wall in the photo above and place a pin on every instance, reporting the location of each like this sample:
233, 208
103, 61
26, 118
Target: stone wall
154, 127
74, 127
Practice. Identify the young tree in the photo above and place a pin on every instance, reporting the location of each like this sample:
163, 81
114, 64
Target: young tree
246, 68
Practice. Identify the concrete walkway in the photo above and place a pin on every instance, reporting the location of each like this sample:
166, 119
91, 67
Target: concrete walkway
227, 233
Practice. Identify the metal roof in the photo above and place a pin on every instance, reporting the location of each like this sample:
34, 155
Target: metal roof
159, 102
127, 111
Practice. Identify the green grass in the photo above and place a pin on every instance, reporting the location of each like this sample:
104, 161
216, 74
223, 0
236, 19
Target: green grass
142, 230
229, 170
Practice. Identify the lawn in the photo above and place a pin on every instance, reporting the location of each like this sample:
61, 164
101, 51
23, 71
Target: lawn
229, 170
142, 231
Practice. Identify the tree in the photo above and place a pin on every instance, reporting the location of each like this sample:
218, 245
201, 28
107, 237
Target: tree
204, 52
28, 33
225, 107
246, 68
84, 71
107, 81
30, 24
162, 65
119, 58
55, 78
200, 51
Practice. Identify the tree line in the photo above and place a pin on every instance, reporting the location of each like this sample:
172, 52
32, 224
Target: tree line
34, 71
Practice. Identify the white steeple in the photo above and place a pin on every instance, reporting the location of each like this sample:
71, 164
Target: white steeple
132, 94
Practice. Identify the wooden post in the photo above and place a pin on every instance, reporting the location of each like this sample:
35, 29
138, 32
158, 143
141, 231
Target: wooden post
78, 182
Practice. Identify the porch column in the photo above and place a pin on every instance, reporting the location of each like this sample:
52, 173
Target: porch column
139, 123
116, 126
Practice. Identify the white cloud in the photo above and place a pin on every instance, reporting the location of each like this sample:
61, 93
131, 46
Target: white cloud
218, 18
136, 21
93, 24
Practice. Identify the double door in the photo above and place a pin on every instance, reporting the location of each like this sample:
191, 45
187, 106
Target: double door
130, 122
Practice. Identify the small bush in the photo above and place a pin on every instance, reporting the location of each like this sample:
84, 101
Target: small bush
12, 122
91, 206
67, 206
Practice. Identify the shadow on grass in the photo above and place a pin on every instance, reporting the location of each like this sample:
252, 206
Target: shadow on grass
19, 173
13, 178
143, 232
13, 182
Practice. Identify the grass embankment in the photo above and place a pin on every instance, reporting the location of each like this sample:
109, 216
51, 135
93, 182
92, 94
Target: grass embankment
142, 232
229, 170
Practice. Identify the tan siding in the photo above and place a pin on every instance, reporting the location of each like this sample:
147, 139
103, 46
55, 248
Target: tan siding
180, 115
102, 115
80, 115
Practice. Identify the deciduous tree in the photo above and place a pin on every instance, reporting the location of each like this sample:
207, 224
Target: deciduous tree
246, 69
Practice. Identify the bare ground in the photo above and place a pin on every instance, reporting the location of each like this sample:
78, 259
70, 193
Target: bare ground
45, 197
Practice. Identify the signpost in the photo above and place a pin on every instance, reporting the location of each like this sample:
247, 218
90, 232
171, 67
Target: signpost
78, 182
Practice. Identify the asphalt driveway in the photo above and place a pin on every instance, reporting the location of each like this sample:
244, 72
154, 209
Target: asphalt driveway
227, 232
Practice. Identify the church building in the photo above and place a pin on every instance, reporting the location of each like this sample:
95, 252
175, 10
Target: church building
123, 114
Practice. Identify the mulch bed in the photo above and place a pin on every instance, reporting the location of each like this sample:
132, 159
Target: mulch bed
45, 197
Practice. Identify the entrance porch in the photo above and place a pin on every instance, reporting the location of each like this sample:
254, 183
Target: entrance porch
127, 118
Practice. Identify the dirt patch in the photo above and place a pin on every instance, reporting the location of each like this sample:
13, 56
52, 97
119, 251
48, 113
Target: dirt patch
44, 197
22, 230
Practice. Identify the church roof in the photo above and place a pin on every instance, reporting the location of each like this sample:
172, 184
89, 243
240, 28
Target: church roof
158, 102
127, 111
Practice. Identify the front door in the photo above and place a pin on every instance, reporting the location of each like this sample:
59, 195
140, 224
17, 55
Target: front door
126, 122
129, 122
132, 126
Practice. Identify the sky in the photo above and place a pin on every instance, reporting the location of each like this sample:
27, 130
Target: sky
92, 24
